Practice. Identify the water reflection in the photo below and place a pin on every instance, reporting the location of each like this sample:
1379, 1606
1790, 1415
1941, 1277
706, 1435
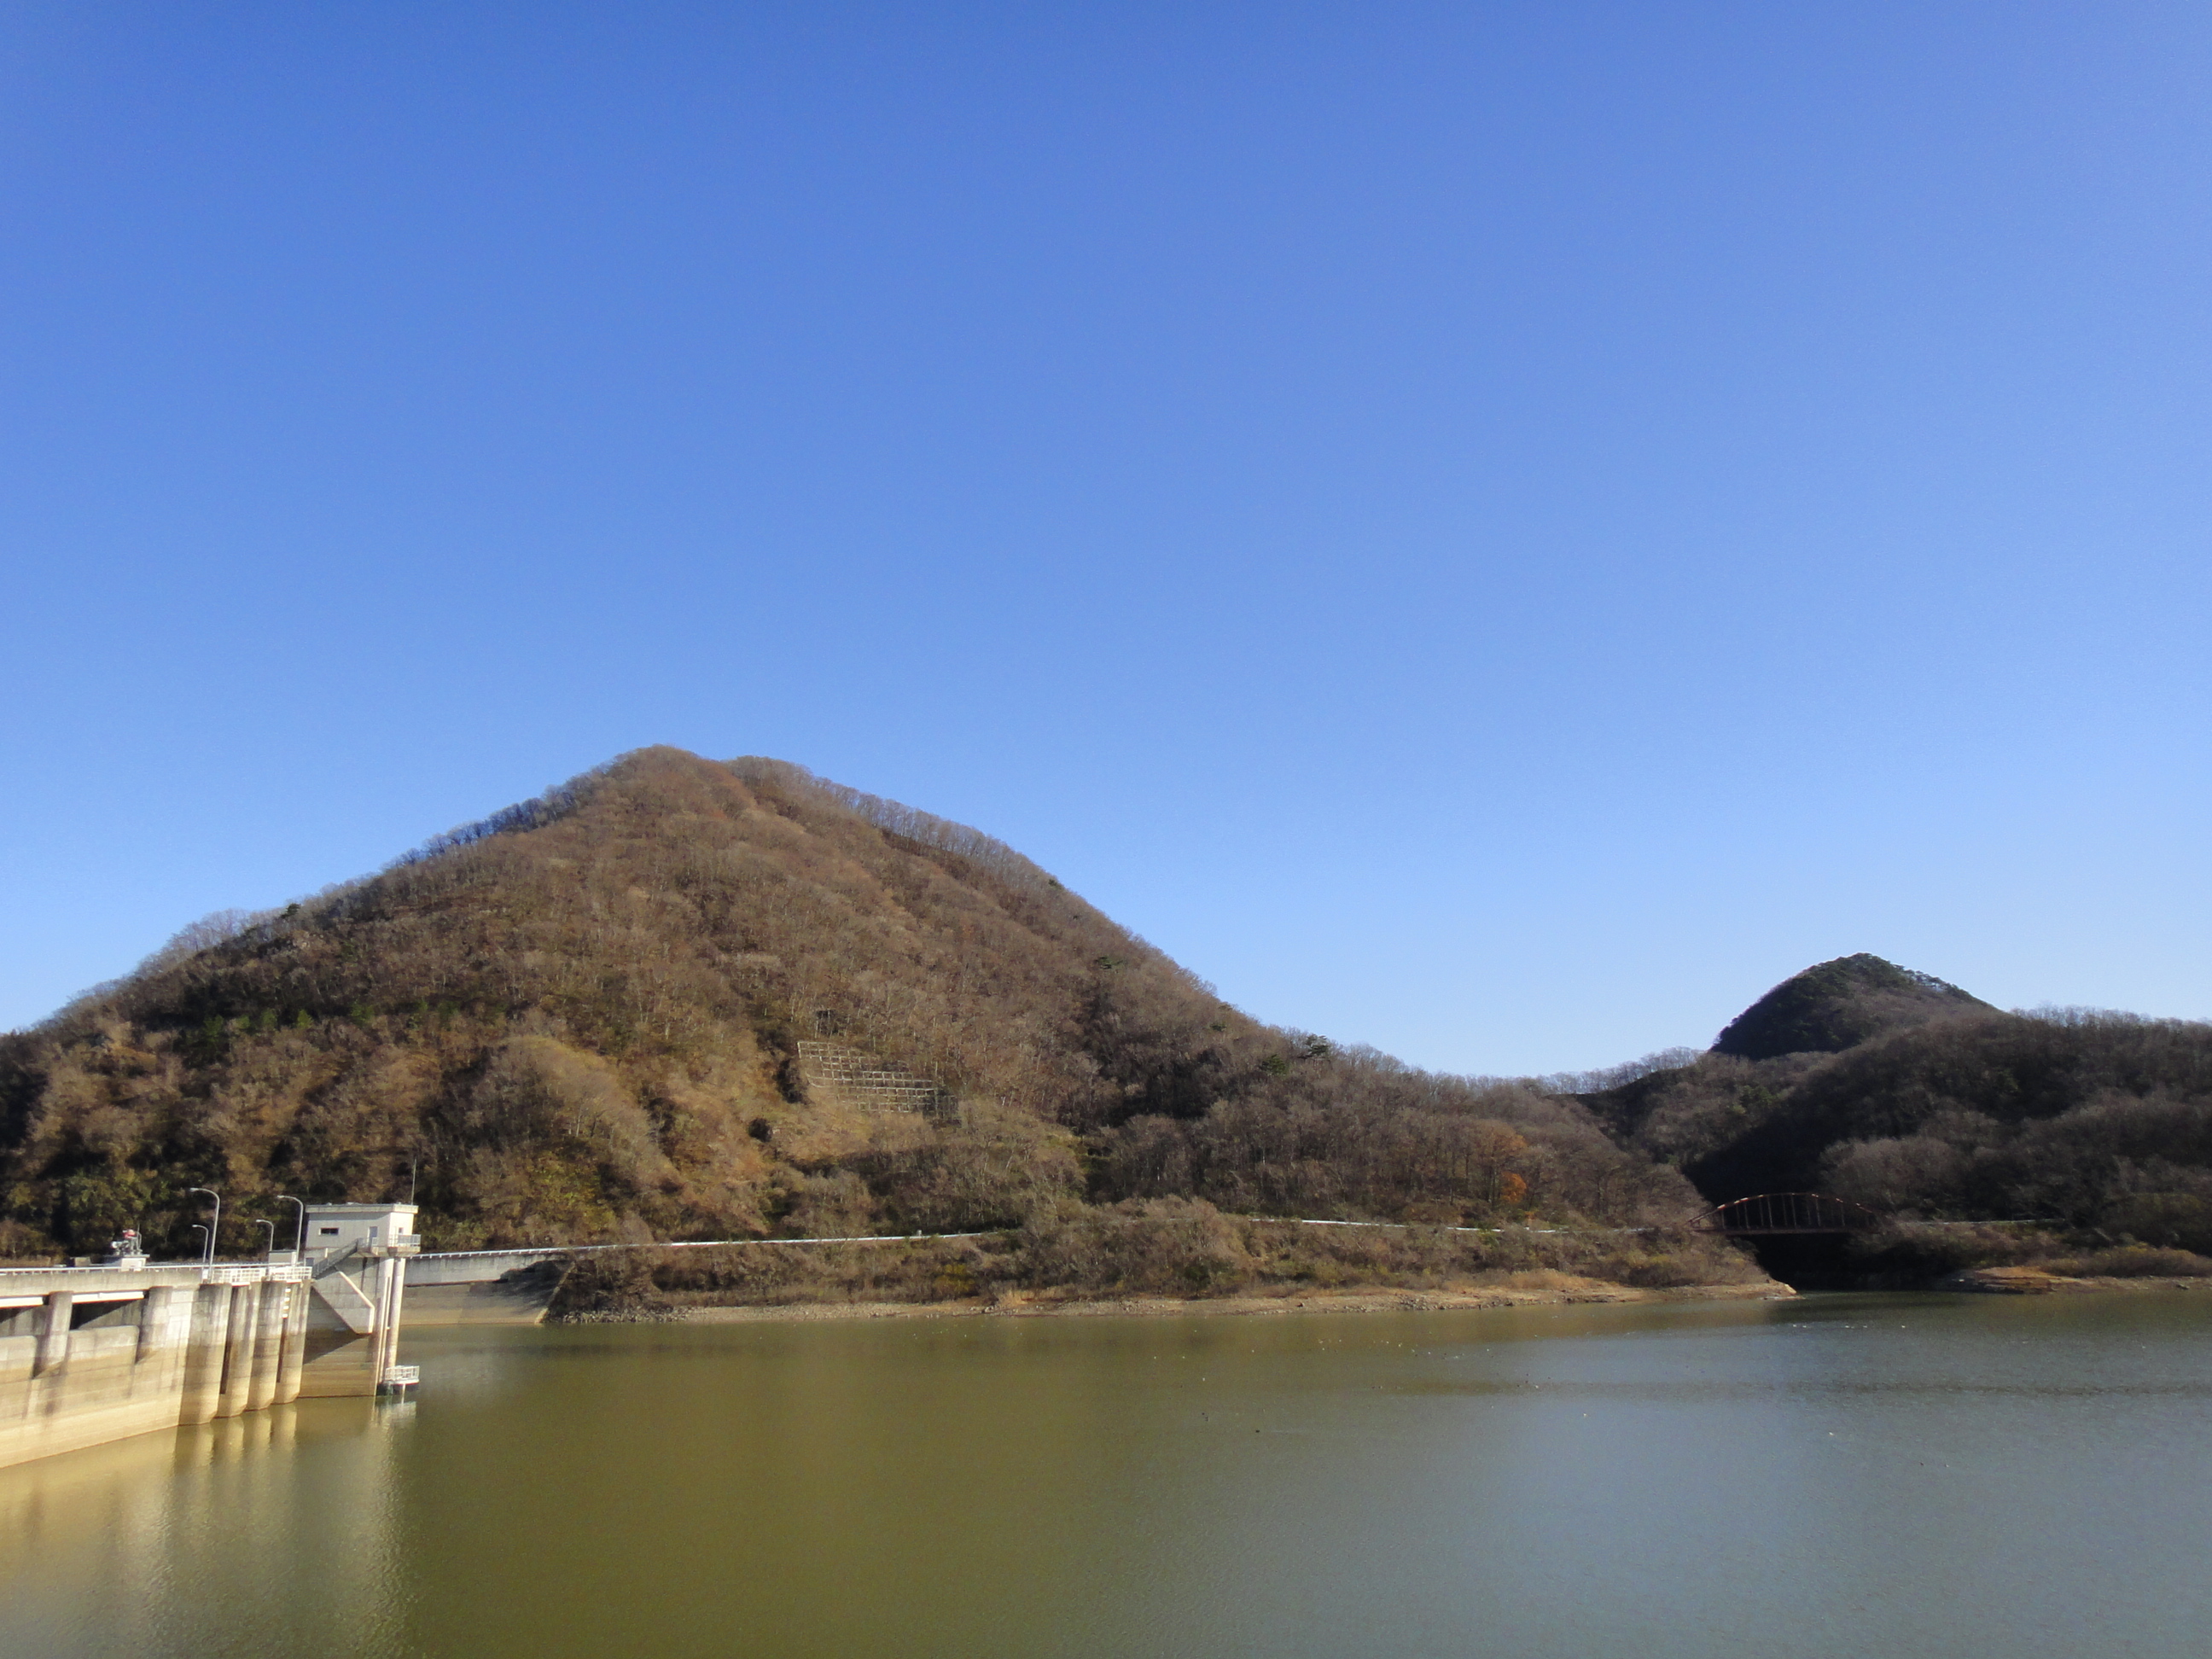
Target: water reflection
1845, 1476
251, 1535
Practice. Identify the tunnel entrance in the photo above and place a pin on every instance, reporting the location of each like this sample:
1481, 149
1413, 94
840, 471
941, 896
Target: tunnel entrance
1803, 1239
1820, 1261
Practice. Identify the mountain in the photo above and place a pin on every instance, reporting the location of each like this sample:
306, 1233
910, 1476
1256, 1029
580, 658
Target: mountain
1839, 1005
1909, 1095
678, 998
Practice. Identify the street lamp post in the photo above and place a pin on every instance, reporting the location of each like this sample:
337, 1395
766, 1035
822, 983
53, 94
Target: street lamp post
299, 1227
269, 1255
201, 1227
215, 1221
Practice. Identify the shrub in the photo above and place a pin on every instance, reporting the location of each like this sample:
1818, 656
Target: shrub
1160, 1247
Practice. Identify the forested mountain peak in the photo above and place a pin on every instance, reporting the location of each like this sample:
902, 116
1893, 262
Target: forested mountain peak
1906, 1094
1839, 1003
676, 997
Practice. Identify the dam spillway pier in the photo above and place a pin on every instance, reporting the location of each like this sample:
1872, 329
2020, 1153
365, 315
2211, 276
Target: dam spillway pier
103, 1350
93, 1354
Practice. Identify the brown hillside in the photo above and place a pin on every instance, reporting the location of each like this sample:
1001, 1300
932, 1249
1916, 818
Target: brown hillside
638, 1007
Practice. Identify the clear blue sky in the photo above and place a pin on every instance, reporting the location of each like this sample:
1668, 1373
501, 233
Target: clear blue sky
1498, 531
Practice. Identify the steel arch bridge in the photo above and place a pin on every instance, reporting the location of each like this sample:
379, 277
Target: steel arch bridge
1771, 1215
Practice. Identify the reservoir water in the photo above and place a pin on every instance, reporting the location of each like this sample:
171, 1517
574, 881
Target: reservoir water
1840, 1475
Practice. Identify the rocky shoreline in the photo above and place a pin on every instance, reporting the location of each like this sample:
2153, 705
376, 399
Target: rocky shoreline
2034, 1281
1035, 1305
1999, 1281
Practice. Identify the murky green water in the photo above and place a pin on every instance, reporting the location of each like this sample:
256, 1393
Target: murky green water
1843, 1476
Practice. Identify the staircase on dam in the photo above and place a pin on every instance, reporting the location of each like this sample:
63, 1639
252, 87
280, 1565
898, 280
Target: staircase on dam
357, 1257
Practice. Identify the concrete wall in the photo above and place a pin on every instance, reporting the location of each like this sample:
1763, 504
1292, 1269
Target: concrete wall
339, 1365
484, 1287
343, 1354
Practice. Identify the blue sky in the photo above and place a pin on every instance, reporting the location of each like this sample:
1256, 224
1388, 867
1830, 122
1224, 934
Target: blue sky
1497, 531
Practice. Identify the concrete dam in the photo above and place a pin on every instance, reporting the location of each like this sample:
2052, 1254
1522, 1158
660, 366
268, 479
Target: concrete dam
103, 1350
122, 1346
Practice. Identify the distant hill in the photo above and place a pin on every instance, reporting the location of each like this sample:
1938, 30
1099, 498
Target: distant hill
1839, 1005
1908, 1095
679, 997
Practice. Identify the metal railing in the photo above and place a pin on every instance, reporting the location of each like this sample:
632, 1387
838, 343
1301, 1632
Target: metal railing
399, 1381
255, 1272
